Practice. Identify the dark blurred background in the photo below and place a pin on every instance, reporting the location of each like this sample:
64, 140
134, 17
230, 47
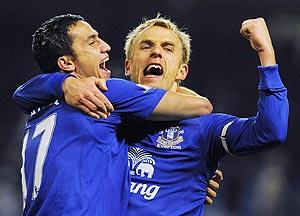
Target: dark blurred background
223, 68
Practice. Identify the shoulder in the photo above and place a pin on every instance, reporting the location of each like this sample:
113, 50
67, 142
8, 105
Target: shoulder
123, 84
60, 108
122, 90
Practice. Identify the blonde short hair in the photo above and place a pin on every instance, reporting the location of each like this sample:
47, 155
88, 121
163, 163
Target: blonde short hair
165, 23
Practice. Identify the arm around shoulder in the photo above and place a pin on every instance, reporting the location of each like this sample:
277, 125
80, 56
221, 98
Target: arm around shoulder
176, 106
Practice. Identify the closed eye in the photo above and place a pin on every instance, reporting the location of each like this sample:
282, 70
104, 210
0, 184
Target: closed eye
145, 46
169, 48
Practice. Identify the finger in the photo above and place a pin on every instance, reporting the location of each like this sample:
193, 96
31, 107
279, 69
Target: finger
97, 114
93, 114
208, 200
99, 103
245, 32
248, 21
102, 114
101, 97
101, 83
211, 193
88, 112
92, 110
218, 177
88, 104
213, 184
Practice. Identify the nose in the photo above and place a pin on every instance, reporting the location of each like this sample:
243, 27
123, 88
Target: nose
104, 47
156, 52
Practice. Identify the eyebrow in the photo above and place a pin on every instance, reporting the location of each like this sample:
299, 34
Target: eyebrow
146, 42
93, 36
165, 43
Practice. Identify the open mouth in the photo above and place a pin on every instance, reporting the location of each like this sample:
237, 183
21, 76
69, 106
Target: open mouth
102, 65
153, 69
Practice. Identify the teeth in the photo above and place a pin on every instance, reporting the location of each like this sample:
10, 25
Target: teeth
153, 69
102, 64
155, 66
105, 60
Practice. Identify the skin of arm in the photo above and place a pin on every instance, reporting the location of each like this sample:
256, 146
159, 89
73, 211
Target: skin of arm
186, 91
176, 106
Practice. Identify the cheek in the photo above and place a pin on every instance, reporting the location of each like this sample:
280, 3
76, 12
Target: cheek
136, 69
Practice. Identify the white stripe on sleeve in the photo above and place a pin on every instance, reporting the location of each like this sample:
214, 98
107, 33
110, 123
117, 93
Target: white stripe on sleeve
223, 137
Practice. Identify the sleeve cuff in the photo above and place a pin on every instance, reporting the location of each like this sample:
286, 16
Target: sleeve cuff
56, 86
269, 78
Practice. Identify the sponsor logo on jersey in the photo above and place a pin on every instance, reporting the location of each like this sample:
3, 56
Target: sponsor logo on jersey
147, 191
142, 164
170, 138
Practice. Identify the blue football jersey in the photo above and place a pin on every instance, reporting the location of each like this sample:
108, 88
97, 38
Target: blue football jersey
73, 164
171, 163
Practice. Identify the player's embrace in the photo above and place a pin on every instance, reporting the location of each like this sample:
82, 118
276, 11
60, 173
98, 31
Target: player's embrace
170, 162
73, 164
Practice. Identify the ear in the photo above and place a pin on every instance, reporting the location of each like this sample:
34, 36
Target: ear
183, 72
66, 63
127, 67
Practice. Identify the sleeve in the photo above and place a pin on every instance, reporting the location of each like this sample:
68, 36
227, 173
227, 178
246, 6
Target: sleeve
40, 91
132, 99
243, 136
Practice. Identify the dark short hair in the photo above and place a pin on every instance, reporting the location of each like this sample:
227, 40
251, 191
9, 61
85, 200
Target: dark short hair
52, 40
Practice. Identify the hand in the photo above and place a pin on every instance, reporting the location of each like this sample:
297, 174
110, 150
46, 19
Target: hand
256, 31
84, 94
213, 186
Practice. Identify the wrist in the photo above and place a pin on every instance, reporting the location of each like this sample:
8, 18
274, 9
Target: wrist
67, 82
267, 57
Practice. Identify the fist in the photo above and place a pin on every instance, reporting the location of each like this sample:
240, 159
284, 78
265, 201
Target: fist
256, 31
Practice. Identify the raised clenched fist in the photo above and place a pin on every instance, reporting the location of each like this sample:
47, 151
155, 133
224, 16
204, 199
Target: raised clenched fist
256, 31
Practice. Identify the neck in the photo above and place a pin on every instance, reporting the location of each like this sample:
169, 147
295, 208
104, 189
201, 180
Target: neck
174, 87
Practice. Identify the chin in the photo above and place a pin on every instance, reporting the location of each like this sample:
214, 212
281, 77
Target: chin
151, 83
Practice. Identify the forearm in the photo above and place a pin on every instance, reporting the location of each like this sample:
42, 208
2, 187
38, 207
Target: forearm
267, 57
186, 91
189, 92
175, 106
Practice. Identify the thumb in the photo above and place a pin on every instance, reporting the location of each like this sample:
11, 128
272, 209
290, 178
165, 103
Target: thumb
101, 83
218, 177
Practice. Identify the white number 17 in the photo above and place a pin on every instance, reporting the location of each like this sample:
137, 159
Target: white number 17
46, 128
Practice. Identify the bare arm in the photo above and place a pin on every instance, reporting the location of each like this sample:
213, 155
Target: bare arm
186, 91
176, 106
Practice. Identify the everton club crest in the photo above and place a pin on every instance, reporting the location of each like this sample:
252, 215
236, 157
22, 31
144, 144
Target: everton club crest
170, 138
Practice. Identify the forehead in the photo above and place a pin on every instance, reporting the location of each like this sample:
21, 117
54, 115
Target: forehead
82, 30
158, 34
